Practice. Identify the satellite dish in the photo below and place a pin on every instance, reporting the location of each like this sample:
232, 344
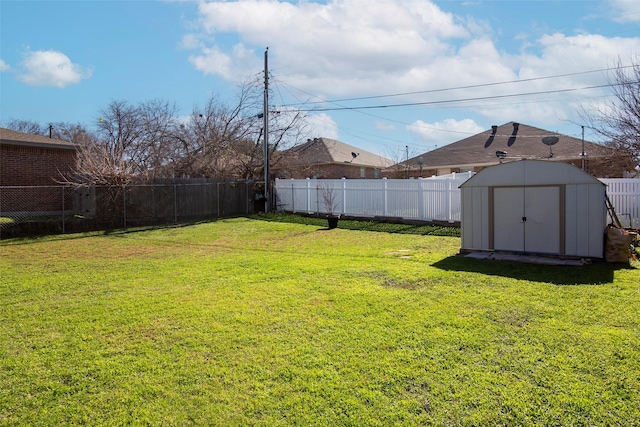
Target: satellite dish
550, 140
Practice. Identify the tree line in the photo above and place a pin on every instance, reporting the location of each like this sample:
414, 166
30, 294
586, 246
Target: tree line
148, 141
617, 119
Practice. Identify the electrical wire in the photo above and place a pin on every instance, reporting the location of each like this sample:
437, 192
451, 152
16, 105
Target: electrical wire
456, 88
448, 101
383, 118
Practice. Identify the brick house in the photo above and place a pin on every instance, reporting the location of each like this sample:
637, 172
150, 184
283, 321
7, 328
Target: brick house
329, 159
30, 168
27, 159
514, 141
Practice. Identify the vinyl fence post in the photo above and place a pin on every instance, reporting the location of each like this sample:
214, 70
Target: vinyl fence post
308, 195
344, 196
384, 197
448, 199
293, 198
420, 199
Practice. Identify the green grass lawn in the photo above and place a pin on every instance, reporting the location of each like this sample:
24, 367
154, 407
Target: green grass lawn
263, 321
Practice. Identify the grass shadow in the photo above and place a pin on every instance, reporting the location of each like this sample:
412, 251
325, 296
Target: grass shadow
111, 232
424, 229
598, 273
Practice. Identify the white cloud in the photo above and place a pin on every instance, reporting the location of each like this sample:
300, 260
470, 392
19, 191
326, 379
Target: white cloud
444, 132
4, 66
50, 68
384, 126
230, 66
191, 41
321, 125
213, 61
625, 10
343, 48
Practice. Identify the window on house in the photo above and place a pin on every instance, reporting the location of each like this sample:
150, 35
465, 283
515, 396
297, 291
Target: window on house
363, 173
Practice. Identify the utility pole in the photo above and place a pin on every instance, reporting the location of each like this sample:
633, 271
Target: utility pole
406, 147
265, 116
582, 155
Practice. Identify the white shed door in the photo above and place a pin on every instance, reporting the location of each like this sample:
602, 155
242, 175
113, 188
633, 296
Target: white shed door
526, 219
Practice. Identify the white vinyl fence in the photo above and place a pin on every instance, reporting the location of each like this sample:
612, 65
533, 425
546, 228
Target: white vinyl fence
428, 199
624, 195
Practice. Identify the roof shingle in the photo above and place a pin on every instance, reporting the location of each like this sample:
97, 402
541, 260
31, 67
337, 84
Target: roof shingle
12, 137
517, 140
326, 150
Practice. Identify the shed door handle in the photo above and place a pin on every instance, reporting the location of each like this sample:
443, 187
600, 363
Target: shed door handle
524, 219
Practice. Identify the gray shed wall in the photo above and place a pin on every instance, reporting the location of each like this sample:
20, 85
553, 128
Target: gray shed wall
582, 208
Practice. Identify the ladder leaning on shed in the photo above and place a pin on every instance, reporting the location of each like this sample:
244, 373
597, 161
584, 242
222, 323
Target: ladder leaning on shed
612, 212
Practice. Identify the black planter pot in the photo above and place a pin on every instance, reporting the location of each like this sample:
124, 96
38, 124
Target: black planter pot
333, 221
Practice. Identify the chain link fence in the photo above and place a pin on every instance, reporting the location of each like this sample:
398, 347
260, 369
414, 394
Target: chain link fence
62, 209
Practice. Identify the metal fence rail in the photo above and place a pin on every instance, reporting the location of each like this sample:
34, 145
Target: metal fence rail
47, 209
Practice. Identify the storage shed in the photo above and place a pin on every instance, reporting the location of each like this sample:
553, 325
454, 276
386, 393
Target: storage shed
534, 207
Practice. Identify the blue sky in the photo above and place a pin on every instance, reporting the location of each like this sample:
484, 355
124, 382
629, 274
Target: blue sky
452, 68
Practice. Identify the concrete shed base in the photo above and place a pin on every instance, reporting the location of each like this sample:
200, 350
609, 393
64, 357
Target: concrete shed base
527, 259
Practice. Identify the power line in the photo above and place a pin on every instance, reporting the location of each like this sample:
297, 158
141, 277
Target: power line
354, 132
383, 118
448, 101
358, 109
452, 88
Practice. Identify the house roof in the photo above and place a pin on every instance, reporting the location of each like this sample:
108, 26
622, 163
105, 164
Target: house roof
326, 150
519, 141
12, 137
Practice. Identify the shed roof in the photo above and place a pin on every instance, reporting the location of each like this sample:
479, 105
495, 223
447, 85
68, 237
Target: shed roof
530, 172
13, 137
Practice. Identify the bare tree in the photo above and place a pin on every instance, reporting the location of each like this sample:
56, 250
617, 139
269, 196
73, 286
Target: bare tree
400, 157
147, 141
132, 144
617, 121
156, 146
65, 131
221, 133
27, 126
286, 128
328, 197
222, 140
70, 132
